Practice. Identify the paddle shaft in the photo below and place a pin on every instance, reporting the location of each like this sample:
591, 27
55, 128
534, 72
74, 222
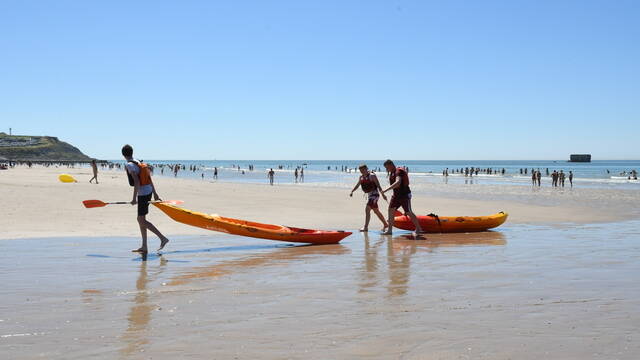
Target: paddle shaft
129, 202
99, 203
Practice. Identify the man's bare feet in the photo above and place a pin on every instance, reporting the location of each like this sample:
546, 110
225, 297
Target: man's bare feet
384, 228
364, 230
163, 242
140, 250
387, 233
419, 235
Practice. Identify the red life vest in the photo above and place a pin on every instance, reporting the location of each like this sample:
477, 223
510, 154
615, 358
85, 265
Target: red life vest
367, 184
144, 175
403, 190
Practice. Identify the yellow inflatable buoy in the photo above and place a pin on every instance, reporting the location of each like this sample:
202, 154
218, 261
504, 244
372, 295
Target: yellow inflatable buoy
66, 178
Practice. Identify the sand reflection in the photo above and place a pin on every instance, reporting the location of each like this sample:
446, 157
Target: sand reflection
136, 335
400, 250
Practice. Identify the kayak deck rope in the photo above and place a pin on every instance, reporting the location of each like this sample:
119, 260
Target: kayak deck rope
437, 219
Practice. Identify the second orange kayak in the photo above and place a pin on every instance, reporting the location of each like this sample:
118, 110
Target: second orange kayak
251, 229
452, 224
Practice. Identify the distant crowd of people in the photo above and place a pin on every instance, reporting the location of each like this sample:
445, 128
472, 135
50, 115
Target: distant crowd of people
344, 168
10, 164
470, 171
557, 177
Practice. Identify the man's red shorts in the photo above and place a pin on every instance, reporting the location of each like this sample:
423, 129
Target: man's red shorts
403, 202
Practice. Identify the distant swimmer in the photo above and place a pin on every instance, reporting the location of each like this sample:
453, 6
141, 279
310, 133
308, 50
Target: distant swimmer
215, 173
270, 175
369, 183
94, 167
539, 177
140, 178
399, 180
296, 174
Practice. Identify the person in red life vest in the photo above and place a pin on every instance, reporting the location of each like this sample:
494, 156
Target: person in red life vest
369, 183
399, 180
139, 176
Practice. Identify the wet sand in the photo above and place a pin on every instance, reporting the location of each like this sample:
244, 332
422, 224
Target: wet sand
37, 205
524, 292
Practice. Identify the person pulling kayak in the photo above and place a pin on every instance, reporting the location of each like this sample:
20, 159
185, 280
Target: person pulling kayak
369, 183
139, 176
399, 180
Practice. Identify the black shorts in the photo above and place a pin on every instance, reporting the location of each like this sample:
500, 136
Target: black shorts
401, 202
143, 204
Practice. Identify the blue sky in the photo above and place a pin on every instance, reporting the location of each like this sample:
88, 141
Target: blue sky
325, 79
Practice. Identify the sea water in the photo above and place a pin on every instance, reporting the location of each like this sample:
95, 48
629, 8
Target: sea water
343, 173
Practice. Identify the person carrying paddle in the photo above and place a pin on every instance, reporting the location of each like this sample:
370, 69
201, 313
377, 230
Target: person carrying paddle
399, 180
369, 183
139, 176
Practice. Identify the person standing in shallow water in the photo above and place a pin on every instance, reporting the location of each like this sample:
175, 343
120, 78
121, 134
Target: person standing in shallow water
140, 178
369, 183
571, 178
399, 180
270, 175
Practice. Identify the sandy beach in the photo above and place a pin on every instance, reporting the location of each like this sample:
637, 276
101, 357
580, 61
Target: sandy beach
38, 205
515, 121
555, 282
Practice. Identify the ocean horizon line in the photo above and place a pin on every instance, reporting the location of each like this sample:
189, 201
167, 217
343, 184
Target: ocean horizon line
396, 160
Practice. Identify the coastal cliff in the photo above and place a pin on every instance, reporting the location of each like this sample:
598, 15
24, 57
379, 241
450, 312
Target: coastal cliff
38, 148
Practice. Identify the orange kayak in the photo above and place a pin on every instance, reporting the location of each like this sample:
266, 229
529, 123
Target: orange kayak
451, 224
251, 229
